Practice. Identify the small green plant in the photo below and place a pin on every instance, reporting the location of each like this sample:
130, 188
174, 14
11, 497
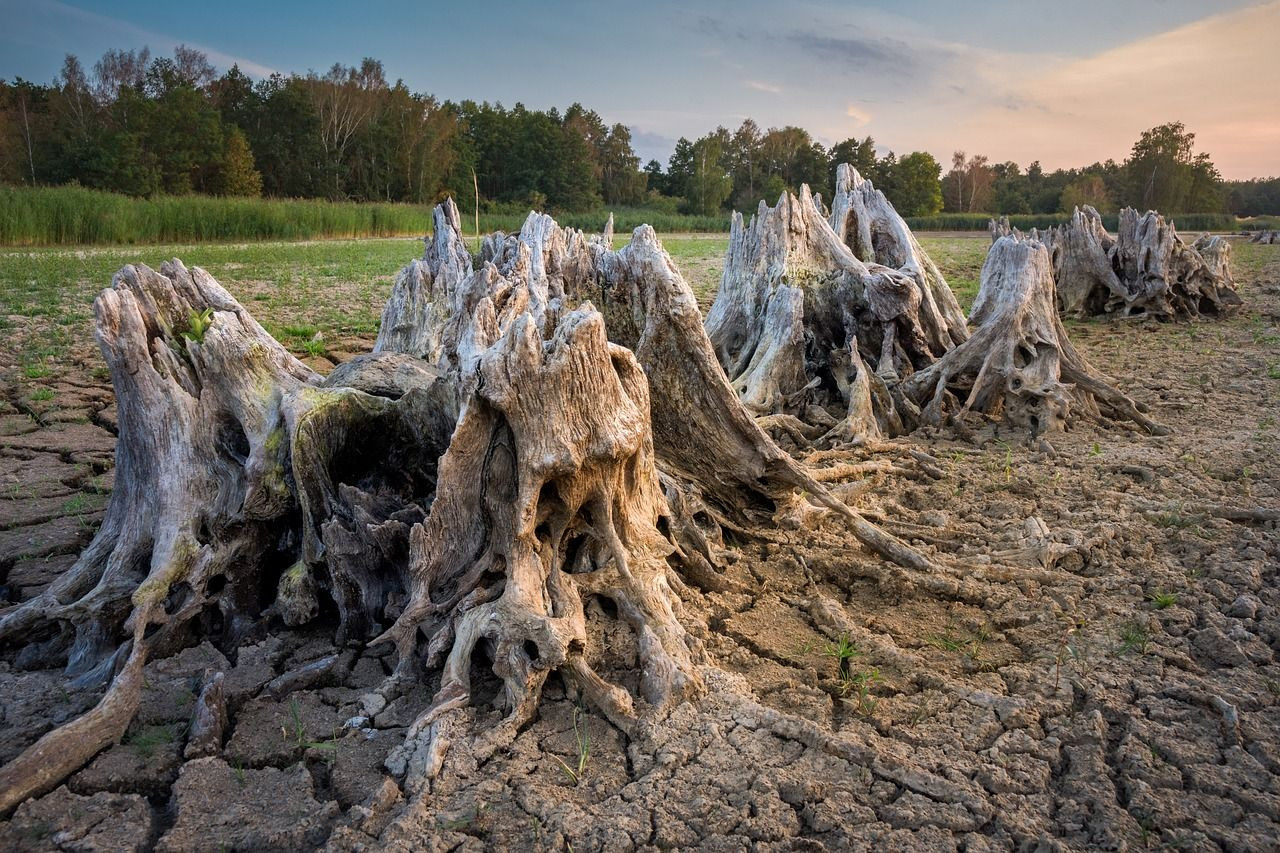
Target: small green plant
1068, 642
1161, 600
920, 714
299, 733
303, 332
947, 641
1095, 450
953, 640
843, 651
198, 324
314, 347
150, 738
1007, 467
583, 738
76, 503
1173, 518
1134, 639
42, 394
238, 768
35, 371
856, 687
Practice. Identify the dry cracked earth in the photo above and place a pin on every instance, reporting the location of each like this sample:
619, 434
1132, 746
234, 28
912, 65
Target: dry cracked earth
1095, 668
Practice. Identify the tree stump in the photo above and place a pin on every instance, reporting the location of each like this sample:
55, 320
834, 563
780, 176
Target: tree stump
1019, 362
495, 464
812, 334
1145, 270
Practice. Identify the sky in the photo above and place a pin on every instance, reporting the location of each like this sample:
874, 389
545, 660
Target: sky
1065, 82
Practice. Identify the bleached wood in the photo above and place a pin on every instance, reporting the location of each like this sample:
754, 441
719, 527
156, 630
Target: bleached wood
1019, 363
1145, 270
804, 326
506, 454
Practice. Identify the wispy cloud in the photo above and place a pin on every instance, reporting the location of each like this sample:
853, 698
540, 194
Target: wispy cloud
63, 14
857, 52
1096, 106
771, 88
862, 117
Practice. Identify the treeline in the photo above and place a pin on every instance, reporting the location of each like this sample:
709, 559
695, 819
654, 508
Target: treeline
145, 126
736, 170
148, 126
1163, 172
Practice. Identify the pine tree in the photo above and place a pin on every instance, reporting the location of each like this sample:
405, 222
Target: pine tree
239, 177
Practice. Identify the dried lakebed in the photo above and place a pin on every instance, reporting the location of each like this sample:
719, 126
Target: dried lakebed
1099, 671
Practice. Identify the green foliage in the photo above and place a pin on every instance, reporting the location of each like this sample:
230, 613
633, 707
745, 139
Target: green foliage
145, 126
71, 215
1162, 600
238, 177
1090, 190
913, 185
145, 741
843, 650
197, 325
709, 185
1164, 174
856, 688
1187, 222
1254, 198
583, 738
1134, 639
76, 216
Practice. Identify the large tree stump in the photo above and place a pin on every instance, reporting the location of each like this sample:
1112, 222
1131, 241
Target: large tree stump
190, 526
1019, 363
808, 331
1145, 270
864, 219
476, 481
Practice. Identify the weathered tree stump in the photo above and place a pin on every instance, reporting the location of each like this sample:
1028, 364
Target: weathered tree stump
1019, 363
864, 219
1145, 270
506, 454
813, 323
1266, 238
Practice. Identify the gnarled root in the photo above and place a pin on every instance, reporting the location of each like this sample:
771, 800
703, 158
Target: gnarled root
488, 477
197, 488
547, 495
817, 319
1019, 362
1145, 270
226, 444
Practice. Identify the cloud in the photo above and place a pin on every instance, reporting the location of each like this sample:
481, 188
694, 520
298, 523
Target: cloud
862, 117
63, 14
1218, 75
857, 52
764, 87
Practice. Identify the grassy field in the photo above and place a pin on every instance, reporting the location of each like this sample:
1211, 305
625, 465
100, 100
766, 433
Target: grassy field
316, 297
1186, 222
74, 216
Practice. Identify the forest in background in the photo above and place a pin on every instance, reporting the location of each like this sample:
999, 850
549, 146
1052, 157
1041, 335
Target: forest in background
172, 126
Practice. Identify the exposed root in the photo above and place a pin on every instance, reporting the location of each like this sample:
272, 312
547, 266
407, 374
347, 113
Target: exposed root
818, 319
1019, 362
1145, 270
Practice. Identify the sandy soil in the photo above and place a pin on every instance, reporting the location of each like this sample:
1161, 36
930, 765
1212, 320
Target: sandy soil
1095, 668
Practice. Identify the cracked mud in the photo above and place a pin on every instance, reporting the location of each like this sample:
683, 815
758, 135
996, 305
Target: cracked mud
1097, 667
